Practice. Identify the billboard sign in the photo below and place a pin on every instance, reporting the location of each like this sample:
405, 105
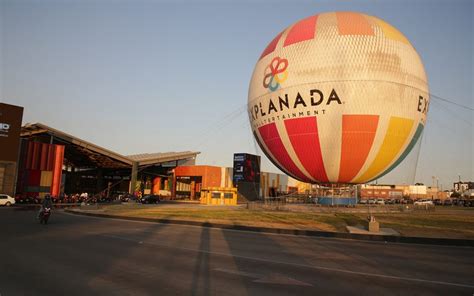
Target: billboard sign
463, 186
10, 127
246, 168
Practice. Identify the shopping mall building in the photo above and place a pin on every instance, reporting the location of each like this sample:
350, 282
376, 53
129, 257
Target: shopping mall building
37, 159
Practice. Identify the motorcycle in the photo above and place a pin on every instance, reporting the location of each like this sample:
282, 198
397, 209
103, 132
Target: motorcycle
45, 215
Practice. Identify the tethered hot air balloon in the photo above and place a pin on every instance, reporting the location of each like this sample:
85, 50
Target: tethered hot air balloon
338, 97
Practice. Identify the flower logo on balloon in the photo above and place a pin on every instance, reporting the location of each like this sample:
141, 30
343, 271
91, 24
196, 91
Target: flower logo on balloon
275, 73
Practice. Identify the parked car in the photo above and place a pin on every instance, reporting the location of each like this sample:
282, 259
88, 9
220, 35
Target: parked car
423, 202
437, 202
150, 199
6, 200
372, 201
448, 202
390, 201
363, 201
380, 201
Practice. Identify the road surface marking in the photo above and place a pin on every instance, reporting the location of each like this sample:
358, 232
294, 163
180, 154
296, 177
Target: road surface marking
238, 272
316, 267
274, 278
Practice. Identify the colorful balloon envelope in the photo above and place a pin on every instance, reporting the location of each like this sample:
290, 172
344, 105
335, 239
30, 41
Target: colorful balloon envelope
338, 97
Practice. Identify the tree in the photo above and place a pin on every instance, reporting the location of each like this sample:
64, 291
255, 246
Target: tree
455, 195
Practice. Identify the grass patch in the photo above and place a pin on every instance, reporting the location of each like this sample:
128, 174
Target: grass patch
444, 222
236, 216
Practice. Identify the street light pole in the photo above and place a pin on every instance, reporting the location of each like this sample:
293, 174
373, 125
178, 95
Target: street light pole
437, 188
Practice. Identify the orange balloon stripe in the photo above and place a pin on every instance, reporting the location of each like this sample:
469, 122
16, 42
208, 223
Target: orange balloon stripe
304, 137
358, 133
350, 23
302, 30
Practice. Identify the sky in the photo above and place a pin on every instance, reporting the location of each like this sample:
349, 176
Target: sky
160, 76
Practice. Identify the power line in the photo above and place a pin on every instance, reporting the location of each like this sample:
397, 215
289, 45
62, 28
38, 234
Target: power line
451, 113
451, 102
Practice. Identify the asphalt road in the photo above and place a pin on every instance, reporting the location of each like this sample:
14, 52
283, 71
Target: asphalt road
77, 255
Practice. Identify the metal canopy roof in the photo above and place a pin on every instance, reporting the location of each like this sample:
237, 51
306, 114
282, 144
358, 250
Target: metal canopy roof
85, 154
151, 158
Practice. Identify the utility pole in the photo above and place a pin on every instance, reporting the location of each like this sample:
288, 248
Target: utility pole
437, 188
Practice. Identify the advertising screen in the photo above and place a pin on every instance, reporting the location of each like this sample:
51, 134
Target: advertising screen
246, 168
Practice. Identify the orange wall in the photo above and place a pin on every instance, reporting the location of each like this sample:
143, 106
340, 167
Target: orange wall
211, 176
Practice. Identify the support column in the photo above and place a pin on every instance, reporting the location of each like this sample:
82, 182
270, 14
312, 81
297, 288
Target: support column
133, 178
100, 180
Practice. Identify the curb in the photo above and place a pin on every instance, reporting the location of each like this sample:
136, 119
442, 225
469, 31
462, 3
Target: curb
313, 233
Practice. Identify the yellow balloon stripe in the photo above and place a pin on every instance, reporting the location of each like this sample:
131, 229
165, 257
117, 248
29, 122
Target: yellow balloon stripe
397, 135
390, 32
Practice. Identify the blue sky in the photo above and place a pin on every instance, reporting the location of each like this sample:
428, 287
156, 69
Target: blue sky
157, 76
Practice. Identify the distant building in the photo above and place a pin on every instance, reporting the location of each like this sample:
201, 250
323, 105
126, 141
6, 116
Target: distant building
369, 191
435, 193
10, 126
385, 191
417, 191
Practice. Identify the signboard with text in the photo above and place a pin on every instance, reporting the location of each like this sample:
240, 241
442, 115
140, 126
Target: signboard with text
10, 127
246, 168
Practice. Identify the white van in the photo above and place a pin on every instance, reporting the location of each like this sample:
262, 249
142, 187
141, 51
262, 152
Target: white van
6, 200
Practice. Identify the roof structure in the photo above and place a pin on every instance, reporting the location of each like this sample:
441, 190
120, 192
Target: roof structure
151, 158
84, 153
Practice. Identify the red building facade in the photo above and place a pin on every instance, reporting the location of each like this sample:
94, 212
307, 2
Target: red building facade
40, 169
